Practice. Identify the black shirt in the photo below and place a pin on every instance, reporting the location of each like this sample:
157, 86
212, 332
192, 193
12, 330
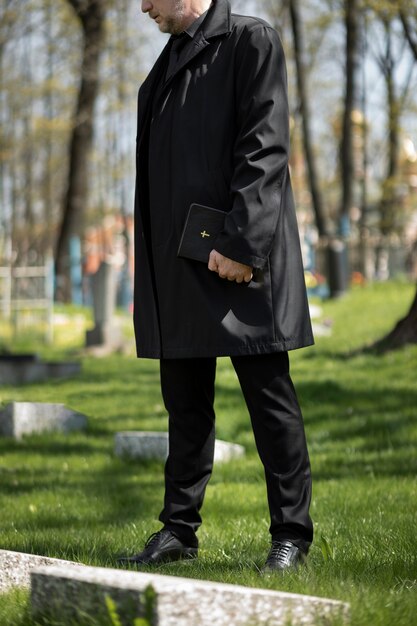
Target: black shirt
180, 42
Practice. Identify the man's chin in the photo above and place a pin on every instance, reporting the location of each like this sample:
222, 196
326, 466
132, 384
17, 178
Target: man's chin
164, 28
170, 28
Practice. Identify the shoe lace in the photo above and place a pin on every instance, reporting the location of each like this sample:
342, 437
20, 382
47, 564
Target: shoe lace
152, 539
279, 552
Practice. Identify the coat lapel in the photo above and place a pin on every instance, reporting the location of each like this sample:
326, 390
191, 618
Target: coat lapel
217, 23
147, 91
192, 49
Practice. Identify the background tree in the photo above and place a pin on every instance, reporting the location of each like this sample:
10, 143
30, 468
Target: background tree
41, 48
276, 14
405, 331
389, 60
304, 110
35, 113
351, 17
91, 14
408, 16
8, 20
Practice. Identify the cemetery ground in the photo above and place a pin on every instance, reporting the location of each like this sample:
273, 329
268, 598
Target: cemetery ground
68, 496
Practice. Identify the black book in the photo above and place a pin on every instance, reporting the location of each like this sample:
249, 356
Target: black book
201, 228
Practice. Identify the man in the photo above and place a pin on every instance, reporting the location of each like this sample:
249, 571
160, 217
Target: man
213, 130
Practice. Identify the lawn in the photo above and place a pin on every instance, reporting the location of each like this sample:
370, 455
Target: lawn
69, 497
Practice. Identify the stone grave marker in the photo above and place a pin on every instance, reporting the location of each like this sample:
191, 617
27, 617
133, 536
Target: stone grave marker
18, 369
26, 418
105, 331
15, 568
154, 445
69, 593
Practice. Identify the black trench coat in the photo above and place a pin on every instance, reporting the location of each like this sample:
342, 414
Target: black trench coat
217, 134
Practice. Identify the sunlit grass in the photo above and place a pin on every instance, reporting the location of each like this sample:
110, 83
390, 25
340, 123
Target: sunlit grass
69, 497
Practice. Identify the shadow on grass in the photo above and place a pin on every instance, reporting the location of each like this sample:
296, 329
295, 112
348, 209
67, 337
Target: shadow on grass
358, 431
80, 488
51, 447
353, 433
78, 531
101, 375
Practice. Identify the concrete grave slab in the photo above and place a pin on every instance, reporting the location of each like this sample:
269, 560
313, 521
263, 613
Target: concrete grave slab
25, 418
26, 369
68, 593
148, 445
315, 311
105, 332
15, 568
322, 330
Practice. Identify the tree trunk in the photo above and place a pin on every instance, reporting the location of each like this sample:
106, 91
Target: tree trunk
346, 146
313, 178
91, 14
404, 332
408, 32
387, 208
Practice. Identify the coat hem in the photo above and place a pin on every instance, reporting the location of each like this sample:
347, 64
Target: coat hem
212, 351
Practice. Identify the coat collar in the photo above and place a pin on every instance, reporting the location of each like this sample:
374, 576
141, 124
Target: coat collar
216, 23
198, 43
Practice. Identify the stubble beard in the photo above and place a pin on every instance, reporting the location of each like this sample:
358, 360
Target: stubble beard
173, 24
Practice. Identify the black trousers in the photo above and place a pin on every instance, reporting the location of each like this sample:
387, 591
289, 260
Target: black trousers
188, 392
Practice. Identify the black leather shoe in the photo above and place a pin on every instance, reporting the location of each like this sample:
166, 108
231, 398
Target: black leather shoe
161, 547
283, 555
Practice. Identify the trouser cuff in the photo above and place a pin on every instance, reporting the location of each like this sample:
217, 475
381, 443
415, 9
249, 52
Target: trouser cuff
186, 536
296, 540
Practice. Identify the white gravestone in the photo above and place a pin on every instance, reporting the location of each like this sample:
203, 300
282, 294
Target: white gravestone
26, 418
143, 445
105, 331
69, 593
15, 568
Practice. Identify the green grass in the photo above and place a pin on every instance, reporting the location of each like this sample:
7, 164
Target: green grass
69, 497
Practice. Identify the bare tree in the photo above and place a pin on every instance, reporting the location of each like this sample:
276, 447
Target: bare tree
351, 13
91, 14
389, 61
8, 19
405, 331
408, 16
313, 176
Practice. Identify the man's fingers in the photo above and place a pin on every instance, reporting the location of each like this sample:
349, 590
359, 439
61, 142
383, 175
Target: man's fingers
212, 264
233, 276
228, 269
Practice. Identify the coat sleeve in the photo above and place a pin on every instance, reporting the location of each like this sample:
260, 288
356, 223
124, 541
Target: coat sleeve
261, 146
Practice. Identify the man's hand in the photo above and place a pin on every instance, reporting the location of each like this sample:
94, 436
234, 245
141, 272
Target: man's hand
226, 268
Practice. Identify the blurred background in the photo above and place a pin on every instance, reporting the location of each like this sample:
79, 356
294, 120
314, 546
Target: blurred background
69, 75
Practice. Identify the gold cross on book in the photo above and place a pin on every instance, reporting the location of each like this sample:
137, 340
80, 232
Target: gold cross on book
204, 234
